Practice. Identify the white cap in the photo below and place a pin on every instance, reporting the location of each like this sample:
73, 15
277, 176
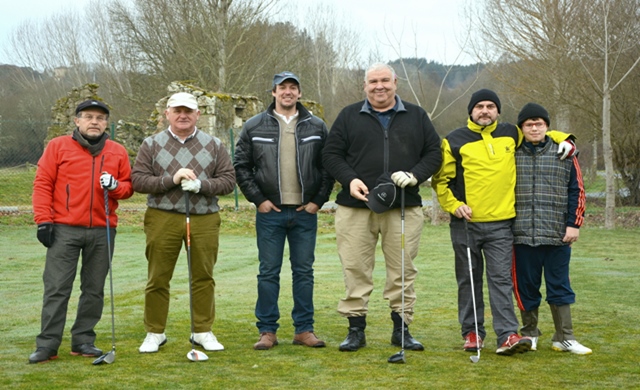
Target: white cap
183, 99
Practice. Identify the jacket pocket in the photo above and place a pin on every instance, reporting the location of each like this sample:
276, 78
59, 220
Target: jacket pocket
310, 139
263, 140
68, 196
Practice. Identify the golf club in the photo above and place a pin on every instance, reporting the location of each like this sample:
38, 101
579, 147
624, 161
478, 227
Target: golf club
110, 356
399, 357
194, 355
476, 358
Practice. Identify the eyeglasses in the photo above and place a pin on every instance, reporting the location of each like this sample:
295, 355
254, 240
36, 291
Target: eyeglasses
99, 118
531, 125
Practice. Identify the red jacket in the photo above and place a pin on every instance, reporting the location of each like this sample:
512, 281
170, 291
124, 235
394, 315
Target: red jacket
67, 188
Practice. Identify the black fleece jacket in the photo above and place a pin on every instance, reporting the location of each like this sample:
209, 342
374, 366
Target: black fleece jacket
355, 148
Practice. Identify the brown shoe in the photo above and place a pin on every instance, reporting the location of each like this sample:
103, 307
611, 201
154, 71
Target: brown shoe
267, 341
309, 339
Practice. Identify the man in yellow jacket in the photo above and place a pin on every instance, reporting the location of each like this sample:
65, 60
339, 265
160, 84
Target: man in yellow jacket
476, 184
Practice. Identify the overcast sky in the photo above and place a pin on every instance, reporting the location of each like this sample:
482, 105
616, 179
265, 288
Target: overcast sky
434, 28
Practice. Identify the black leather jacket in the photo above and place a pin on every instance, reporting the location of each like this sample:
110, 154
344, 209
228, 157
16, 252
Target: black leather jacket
256, 158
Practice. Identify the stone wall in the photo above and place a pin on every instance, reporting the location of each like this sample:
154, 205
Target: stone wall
64, 110
221, 114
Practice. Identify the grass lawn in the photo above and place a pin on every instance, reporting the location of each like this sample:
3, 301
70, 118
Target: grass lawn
604, 273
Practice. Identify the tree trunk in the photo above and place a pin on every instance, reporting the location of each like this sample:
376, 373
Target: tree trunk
222, 24
607, 154
593, 173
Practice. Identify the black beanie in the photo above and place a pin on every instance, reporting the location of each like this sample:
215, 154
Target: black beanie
532, 110
481, 95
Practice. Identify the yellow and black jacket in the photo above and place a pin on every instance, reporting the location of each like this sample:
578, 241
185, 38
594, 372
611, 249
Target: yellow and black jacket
479, 170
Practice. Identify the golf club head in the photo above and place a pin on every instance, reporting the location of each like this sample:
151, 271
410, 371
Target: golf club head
108, 358
475, 358
197, 356
397, 358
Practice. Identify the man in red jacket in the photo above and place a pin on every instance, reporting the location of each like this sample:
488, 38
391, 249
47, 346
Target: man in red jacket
68, 206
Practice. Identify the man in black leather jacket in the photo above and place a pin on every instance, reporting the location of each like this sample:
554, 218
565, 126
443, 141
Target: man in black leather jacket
278, 163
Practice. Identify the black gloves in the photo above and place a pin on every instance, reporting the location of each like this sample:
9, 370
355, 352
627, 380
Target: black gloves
45, 234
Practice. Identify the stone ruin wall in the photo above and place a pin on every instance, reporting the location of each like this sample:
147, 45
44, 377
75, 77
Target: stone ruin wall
219, 112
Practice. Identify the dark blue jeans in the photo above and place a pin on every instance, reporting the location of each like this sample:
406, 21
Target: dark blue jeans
299, 229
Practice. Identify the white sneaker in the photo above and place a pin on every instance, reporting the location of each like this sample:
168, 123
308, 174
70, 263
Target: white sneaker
534, 343
571, 346
152, 342
207, 341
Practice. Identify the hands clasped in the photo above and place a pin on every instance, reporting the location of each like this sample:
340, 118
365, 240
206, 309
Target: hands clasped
191, 185
188, 180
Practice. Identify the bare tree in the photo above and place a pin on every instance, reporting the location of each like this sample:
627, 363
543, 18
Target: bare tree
57, 47
606, 42
213, 43
427, 92
532, 39
331, 49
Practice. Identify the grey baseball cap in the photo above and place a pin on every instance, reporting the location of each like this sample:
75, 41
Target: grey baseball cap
286, 75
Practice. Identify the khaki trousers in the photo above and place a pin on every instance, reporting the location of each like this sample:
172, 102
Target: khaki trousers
166, 232
357, 233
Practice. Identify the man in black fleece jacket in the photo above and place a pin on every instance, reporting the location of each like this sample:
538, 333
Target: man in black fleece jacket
381, 138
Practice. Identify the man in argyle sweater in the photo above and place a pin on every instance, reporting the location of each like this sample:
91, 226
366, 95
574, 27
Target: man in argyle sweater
181, 158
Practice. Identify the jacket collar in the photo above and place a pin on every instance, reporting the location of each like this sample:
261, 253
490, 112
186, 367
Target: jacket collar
303, 113
476, 128
366, 106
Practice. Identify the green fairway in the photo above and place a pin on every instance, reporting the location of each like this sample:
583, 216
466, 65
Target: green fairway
604, 270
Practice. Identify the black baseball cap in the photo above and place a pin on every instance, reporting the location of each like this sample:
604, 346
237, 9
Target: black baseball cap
92, 104
382, 197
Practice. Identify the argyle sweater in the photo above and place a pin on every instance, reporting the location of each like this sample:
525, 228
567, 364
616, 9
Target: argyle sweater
161, 156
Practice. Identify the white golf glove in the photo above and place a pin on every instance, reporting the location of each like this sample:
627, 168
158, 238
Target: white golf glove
191, 185
108, 181
403, 179
566, 149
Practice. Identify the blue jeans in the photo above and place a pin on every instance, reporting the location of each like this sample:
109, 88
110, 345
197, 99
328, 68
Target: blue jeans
299, 229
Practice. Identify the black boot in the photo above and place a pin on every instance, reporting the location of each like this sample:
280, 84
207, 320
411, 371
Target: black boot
356, 338
43, 354
396, 337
